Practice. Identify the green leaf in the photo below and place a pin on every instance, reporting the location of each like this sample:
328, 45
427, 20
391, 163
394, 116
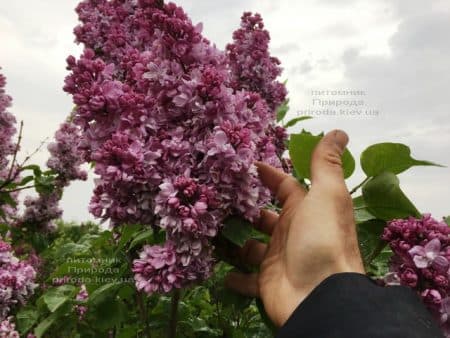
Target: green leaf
26, 180
361, 211
129, 230
369, 237
48, 322
129, 331
73, 268
109, 314
282, 110
5, 197
45, 324
35, 168
25, 319
140, 238
386, 200
293, 122
447, 220
104, 292
301, 147
44, 184
392, 157
72, 249
56, 297
379, 267
237, 230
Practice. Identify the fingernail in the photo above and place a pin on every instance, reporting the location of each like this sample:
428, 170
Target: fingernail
341, 139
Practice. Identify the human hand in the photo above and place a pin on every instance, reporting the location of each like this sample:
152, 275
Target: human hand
312, 238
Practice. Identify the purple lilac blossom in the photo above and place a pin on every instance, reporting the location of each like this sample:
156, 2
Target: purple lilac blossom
252, 66
7, 148
8, 328
65, 160
82, 295
173, 128
421, 258
16, 280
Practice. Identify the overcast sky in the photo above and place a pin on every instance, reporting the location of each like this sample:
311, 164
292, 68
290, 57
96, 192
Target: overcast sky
397, 52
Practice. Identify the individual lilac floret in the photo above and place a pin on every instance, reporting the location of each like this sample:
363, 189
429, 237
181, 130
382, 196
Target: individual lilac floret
421, 257
425, 256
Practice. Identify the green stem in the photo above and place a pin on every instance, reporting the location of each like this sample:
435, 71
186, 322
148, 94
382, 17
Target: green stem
174, 314
379, 248
143, 312
355, 189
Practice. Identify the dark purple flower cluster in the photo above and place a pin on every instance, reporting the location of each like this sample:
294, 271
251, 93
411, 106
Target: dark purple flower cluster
421, 261
173, 126
252, 66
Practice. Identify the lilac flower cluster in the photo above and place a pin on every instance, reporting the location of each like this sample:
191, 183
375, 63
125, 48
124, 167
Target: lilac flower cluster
252, 66
66, 159
173, 126
7, 125
8, 328
41, 211
7, 145
82, 295
421, 261
16, 280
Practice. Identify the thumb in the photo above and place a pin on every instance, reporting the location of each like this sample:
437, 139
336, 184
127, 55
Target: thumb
326, 163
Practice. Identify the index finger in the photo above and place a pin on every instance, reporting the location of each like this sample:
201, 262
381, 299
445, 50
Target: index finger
279, 183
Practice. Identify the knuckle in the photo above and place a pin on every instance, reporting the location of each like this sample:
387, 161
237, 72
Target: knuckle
329, 153
333, 159
287, 186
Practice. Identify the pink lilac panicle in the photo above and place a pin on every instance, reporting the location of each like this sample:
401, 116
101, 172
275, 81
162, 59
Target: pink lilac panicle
17, 280
173, 131
66, 158
8, 328
7, 126
7, 148
252, 66
421, 258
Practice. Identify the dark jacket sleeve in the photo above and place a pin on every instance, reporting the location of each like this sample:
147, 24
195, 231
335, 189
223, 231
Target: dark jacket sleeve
351, 305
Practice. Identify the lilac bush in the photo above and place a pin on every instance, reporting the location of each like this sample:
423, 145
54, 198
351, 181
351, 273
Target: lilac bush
174, 127
421, 259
